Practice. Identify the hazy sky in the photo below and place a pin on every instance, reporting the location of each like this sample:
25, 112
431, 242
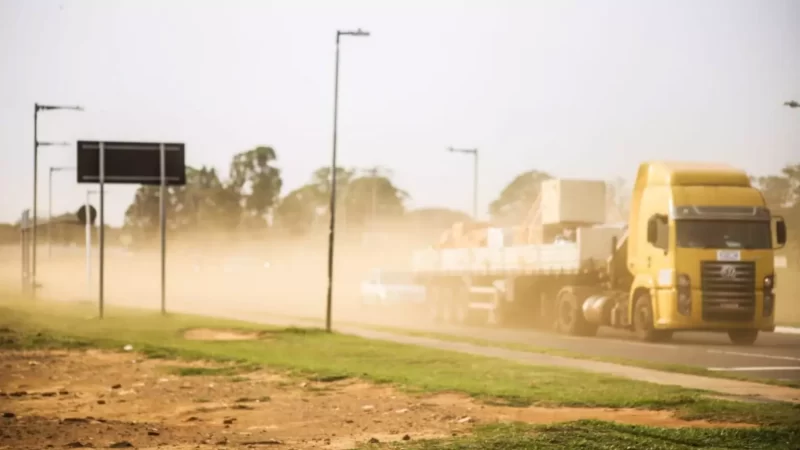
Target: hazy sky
577, 88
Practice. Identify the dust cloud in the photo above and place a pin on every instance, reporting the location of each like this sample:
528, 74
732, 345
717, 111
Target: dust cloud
224, 274
232, 275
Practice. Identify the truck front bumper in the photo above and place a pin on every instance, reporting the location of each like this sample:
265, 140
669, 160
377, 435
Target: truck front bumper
669, 317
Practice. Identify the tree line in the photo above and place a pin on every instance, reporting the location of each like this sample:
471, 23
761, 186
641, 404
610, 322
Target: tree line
249, 199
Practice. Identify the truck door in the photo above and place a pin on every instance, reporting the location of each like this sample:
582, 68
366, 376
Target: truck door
658, 262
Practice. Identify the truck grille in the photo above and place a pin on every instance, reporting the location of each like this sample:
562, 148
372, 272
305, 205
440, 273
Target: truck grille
729, 290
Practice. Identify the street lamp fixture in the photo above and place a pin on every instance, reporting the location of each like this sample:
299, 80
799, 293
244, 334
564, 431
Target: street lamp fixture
792, 104
36, 144
474, 152
56, 107
332, 227
358, 32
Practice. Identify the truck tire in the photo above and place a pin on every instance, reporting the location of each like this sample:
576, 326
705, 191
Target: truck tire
743, 337
643, 323
500, 315
569, 313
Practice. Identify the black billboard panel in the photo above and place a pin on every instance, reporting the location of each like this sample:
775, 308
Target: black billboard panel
131, 163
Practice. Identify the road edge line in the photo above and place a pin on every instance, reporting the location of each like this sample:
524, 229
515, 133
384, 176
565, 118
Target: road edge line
787, 330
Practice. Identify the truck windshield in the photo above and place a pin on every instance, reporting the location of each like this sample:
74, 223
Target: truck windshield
723, 234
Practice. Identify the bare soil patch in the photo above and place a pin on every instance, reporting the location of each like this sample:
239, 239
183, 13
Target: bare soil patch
209, 334
99, 399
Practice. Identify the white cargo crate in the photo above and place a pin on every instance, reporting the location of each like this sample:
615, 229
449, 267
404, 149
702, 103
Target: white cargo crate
484, 260
573, 201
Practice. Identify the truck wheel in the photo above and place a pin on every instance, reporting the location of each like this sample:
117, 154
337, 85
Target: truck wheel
643, 324
462, 315
743, 337
569, 314
499, 315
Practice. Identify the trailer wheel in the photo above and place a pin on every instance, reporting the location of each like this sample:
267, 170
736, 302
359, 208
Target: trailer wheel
643, 324
569, 314
499, 315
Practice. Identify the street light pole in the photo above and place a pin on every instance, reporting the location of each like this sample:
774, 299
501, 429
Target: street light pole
473, 152
50, 207
332, 227
36, 108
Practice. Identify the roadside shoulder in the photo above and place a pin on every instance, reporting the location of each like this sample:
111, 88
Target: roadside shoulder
743, 389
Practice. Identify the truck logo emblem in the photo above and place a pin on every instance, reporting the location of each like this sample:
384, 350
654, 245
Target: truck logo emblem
728, 272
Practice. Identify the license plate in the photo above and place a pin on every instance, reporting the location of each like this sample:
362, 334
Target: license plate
729, 255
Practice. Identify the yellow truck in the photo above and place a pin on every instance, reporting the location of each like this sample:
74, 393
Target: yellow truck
696, 254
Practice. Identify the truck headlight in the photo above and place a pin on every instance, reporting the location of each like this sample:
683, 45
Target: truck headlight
684, 285
769, 295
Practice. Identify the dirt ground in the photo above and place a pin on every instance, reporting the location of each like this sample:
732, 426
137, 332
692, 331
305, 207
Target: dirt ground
100, 399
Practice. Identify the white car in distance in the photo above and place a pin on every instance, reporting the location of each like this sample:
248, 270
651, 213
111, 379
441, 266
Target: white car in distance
387, 288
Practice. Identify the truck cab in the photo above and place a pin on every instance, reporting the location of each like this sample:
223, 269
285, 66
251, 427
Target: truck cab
700, 252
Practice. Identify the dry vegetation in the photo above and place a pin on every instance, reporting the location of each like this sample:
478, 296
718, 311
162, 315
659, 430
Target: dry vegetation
96, 399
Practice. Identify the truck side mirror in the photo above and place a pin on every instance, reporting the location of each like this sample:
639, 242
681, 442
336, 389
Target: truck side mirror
780, 232
652, 229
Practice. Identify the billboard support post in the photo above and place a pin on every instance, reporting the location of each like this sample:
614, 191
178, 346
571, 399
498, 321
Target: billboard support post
115, 162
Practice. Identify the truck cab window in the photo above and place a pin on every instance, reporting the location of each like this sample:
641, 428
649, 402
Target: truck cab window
658, 231
723, 234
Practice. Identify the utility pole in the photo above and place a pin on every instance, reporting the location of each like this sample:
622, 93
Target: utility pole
473, 152
36, 108
332, 228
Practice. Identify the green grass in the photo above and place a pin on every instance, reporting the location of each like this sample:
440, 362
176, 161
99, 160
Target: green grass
319, 355
597, 435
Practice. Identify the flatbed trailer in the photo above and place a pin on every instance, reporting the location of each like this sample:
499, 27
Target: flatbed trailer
515, 284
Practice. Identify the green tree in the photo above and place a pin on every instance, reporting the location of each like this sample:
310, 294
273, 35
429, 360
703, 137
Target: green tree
782, 194
372, 196
207, 202
777, 190
299, 210
518, 196
204, 202
142, 216
257, 181
361, 196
